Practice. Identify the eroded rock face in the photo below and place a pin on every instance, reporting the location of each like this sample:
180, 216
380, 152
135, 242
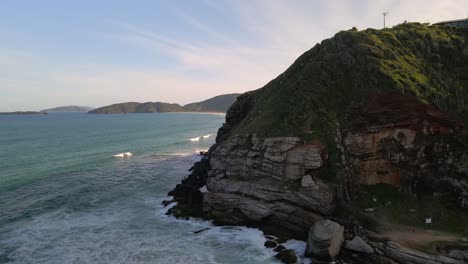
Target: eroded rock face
398, 140
250, 157
324, 240
273, 217
257, 181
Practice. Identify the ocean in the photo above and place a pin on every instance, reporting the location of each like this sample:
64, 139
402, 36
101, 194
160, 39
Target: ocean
65, 198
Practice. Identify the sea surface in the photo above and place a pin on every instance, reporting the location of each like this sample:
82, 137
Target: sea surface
65, 198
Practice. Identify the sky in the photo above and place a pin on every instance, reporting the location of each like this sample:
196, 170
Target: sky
95, 53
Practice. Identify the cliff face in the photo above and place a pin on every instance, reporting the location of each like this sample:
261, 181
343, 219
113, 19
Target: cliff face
398, 140
257, 181
361, 109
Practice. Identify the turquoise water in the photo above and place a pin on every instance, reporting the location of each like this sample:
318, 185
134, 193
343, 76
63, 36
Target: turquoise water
64, 198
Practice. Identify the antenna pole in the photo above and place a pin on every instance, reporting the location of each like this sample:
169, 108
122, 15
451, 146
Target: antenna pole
384, 15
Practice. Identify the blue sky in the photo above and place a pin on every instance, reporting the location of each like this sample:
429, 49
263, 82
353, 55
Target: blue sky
96, 53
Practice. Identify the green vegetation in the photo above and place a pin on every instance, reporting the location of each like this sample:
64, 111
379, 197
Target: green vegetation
325, 83
69, 108
216, 104
133, 107
220, 103
399, 208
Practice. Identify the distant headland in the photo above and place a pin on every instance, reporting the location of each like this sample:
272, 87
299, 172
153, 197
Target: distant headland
23, 113
217, 104
69, 108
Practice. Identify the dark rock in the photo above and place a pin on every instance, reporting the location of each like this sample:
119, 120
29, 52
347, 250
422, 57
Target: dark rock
167, 202
282, 219
201, 230
287, 256
270, 244
404, 255
279, 248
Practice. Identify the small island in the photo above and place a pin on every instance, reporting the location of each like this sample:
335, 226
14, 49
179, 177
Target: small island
68, 109
23, 113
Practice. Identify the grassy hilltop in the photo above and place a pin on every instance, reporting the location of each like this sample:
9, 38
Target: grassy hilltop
326, 82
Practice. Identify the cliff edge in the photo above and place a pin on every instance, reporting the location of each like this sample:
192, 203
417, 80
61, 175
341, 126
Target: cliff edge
367, 129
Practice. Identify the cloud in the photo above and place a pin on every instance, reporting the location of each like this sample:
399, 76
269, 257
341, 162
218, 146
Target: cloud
269, 35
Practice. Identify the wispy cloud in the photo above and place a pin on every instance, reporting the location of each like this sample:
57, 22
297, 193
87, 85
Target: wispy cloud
269, 35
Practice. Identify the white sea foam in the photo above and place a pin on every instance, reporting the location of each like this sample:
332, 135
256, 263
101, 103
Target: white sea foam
299, 248
200, 137
207, 136
123, 155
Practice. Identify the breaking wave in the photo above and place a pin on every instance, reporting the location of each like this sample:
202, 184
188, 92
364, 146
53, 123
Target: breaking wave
200, 137
123, 155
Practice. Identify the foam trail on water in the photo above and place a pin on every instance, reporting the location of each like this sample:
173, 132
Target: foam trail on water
123, 155
200, 137
207, 136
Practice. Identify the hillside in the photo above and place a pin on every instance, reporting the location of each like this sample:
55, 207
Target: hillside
216, 104
69, 108
219, 103
367, 129
133, 107
328, 81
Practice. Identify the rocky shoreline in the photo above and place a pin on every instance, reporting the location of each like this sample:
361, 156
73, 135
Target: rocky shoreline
275, 184
387, 160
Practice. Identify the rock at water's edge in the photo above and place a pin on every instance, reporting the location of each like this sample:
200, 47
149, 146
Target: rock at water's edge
324, 240
287, 256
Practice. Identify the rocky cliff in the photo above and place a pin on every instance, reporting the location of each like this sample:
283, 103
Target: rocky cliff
362, 109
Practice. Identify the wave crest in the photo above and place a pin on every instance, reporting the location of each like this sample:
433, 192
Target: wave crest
123, 155
200, 137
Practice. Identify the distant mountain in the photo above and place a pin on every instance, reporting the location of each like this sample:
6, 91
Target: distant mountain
218, 104
23, 113
133, 107
69, 108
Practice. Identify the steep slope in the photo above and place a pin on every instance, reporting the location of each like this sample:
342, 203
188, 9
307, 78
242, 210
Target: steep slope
326, 82
133, 107
69, 108
220, 103
367, 128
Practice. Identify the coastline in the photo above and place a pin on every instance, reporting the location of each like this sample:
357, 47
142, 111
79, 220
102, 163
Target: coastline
210, 113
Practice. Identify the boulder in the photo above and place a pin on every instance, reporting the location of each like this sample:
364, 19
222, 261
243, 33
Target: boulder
287, 256
270, 244
325, 240
359, 245
308, 182
279, 248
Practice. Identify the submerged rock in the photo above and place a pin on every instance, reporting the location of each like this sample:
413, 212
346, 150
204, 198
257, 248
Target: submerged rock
270, 244
287, 256
325, 240
279, 248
